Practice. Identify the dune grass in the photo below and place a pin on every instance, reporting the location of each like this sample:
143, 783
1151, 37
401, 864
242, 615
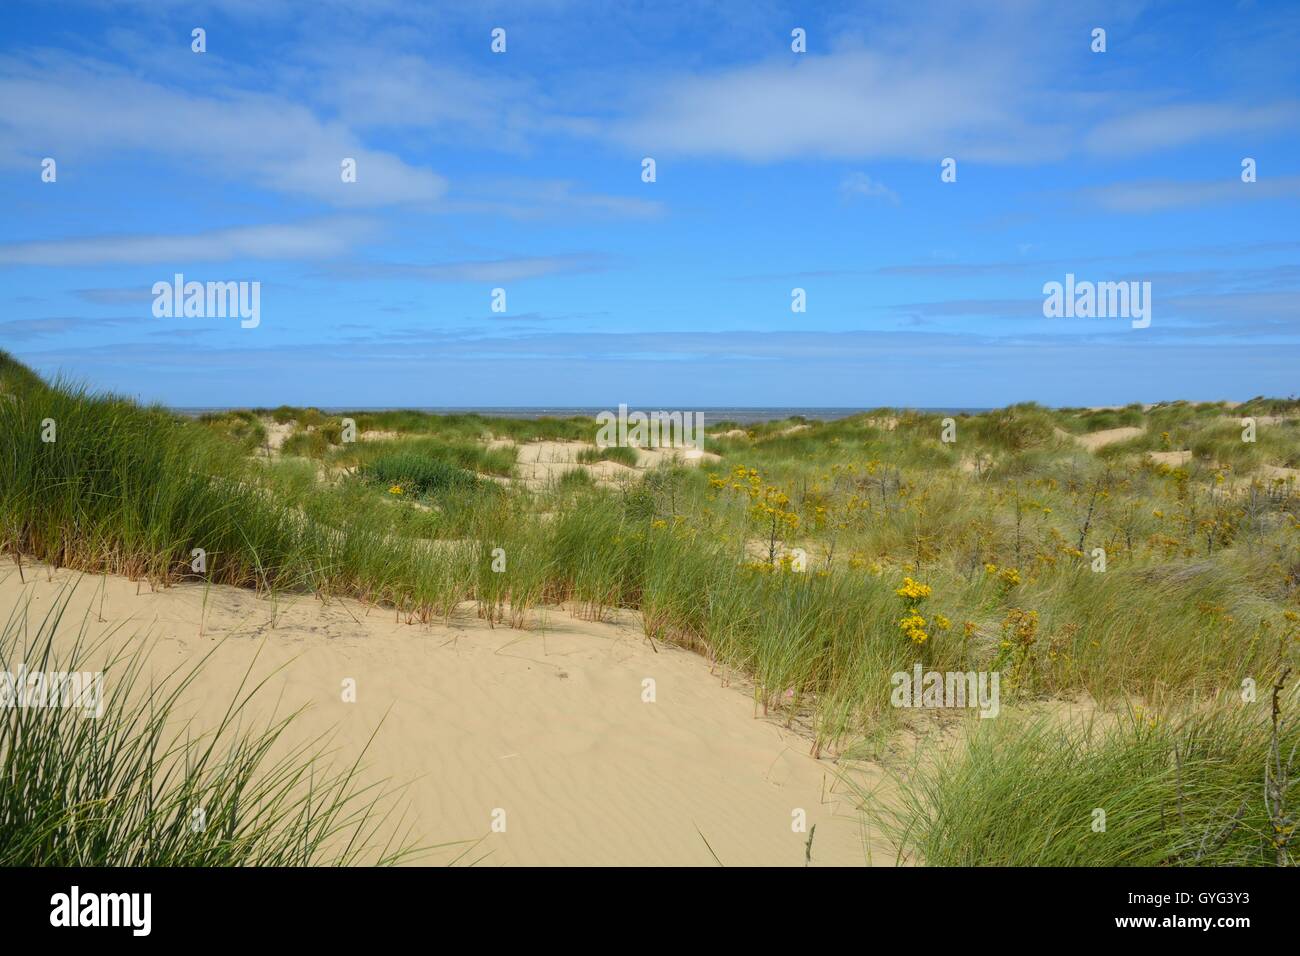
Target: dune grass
465, 455
413, 473
466, 426
1214, 786
783, 564
16, 378
138, 785
621, 454
312, 443
243, 428
1194, 581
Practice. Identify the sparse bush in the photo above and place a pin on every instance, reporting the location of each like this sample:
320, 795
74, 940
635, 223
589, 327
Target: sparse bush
616, 453
418, 474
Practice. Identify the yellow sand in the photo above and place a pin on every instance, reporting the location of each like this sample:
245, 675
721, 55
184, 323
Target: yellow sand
548, 725
1106, 436
541, 462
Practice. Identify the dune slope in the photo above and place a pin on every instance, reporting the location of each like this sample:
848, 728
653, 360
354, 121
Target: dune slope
548, 725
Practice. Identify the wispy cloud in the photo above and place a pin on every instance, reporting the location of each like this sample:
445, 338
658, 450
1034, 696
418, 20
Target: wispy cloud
114, 296
500, 111
849, 104
27, 329
957, 270
525, 317
994, 83
859, 185
1228, 312
296, 241
68, 107
549, 199
1162, 127
483, 270
910, 367
1156, 195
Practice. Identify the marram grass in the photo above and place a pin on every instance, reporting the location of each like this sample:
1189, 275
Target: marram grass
1142, 789
784, 563
140, 786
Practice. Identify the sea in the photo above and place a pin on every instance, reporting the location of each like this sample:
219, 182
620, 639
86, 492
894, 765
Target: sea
741, 415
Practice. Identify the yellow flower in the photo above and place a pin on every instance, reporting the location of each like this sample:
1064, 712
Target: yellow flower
913, 627
941, 622
395, 490
914, 590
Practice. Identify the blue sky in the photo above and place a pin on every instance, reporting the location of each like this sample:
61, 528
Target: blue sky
775, 170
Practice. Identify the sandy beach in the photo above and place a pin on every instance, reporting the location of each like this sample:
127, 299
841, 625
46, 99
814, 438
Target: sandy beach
547, 724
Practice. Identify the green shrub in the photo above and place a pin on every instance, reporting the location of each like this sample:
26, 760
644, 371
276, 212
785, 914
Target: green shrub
617, 453
1176, 790
418, 474
576, 478
306, 444
242, 428
1016, 428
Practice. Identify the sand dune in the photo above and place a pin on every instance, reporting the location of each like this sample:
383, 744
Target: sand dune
547, 724
540, 462
1107, 436
1173, 459
1279, 473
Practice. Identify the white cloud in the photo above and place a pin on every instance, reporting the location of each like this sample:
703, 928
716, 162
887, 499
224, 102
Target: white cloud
849, 104
25, 329
861, 186
1004, 83
1154, 195
1162, 127
495, 110
487, 270
551, 199
114, 296
82, 109
304, 241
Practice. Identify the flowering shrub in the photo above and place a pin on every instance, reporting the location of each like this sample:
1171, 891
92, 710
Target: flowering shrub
769, 505
1019, 634
1007, 577
913, 590
912, 624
